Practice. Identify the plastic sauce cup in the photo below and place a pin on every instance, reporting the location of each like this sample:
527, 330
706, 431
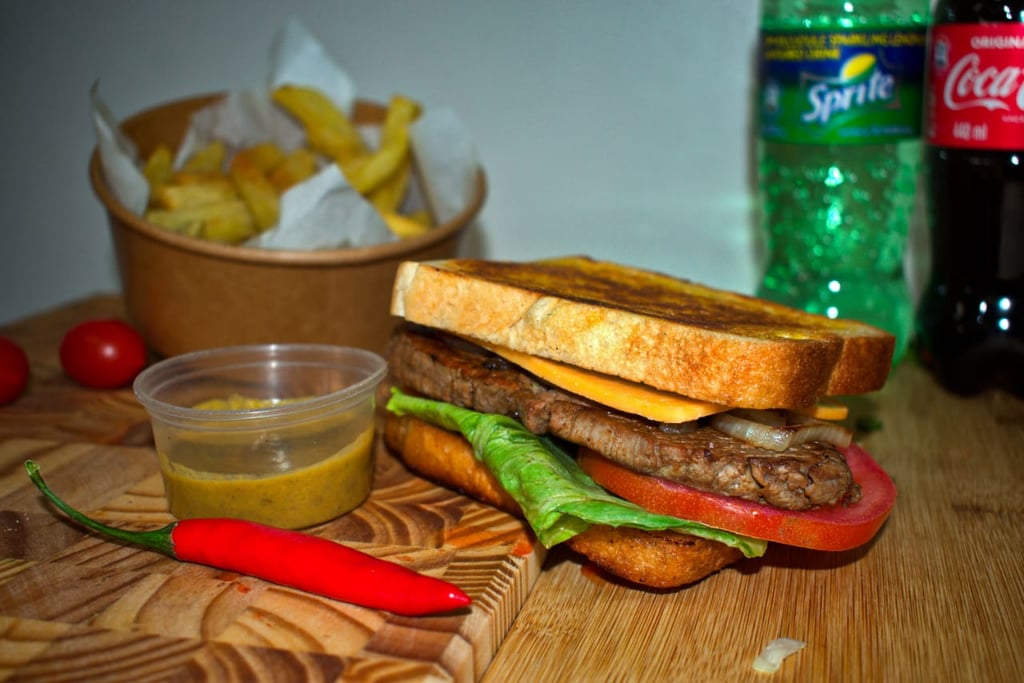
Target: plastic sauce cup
280, 434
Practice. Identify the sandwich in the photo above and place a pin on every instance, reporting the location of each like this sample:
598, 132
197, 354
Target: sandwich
660, 428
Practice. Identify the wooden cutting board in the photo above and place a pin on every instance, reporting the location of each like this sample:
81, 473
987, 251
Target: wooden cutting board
75, 606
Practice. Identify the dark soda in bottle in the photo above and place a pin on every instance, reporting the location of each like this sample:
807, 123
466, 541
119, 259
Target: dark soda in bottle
970, 321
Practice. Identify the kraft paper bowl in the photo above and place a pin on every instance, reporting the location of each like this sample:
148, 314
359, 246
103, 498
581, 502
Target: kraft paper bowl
186, 294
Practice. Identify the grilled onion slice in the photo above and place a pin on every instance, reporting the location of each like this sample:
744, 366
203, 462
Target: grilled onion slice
778, 431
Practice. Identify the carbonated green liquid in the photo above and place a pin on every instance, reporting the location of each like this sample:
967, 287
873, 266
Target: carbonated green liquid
836, 216
836, 223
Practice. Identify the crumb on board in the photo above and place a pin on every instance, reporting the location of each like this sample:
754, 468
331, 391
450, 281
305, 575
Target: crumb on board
770, 658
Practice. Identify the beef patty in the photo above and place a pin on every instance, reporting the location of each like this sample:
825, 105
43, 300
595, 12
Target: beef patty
801, 478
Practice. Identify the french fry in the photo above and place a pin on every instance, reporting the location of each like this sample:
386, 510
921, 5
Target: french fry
209, 158
332, 145
232, 226
422, 216
158, 167
264, 156
389, 194
196, 177
368, 173
183, 196
194, 229
297, 166
328, 130
402, 111
404, 226
175, 221
257, 192
228, 222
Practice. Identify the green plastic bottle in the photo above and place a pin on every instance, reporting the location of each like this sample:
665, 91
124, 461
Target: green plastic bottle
841, 86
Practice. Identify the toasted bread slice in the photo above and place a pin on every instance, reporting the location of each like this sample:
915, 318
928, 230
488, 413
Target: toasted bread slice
647, 327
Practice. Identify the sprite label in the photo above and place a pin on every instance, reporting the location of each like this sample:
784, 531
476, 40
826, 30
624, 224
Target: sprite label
842, 87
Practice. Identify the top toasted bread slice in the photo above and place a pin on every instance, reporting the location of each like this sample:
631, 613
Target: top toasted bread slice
647, 327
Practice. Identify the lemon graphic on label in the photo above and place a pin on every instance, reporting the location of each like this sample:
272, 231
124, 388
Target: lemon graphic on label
857, 66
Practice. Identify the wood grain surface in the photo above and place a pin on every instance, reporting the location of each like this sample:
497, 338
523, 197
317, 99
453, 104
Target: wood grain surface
938, 596
74, 606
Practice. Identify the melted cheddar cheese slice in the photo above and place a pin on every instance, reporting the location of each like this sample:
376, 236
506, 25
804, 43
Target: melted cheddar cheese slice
826, 410
620, 394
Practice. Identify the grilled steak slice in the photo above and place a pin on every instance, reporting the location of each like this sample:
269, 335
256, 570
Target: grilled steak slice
801, 478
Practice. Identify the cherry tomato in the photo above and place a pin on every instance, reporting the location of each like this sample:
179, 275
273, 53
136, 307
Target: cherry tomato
103, 353
840, 527
13, 371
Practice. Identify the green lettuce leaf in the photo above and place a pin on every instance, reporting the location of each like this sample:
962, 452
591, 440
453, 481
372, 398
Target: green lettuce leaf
559, 500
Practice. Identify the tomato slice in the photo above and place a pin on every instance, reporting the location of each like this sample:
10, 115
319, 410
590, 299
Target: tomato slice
840, 527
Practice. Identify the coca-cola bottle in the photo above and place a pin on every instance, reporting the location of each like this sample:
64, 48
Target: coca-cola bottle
970, 322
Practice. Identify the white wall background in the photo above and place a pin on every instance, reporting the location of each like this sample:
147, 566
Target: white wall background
618, 129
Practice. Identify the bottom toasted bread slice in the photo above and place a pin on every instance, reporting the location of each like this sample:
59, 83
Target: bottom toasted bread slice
657, 559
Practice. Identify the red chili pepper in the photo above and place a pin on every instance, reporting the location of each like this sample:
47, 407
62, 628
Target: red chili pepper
289, 558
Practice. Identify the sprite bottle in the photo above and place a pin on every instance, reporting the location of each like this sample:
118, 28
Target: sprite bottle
841, 86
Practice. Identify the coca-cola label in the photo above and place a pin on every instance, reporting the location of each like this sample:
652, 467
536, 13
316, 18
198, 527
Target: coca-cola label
976, 86
842, 87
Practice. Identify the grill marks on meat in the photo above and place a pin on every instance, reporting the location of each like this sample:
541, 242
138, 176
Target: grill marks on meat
801, 478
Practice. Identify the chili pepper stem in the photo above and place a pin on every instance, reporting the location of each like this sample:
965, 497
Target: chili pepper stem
157, 539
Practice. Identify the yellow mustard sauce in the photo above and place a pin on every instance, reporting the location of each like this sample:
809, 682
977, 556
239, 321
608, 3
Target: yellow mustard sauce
291, 499
239, 402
